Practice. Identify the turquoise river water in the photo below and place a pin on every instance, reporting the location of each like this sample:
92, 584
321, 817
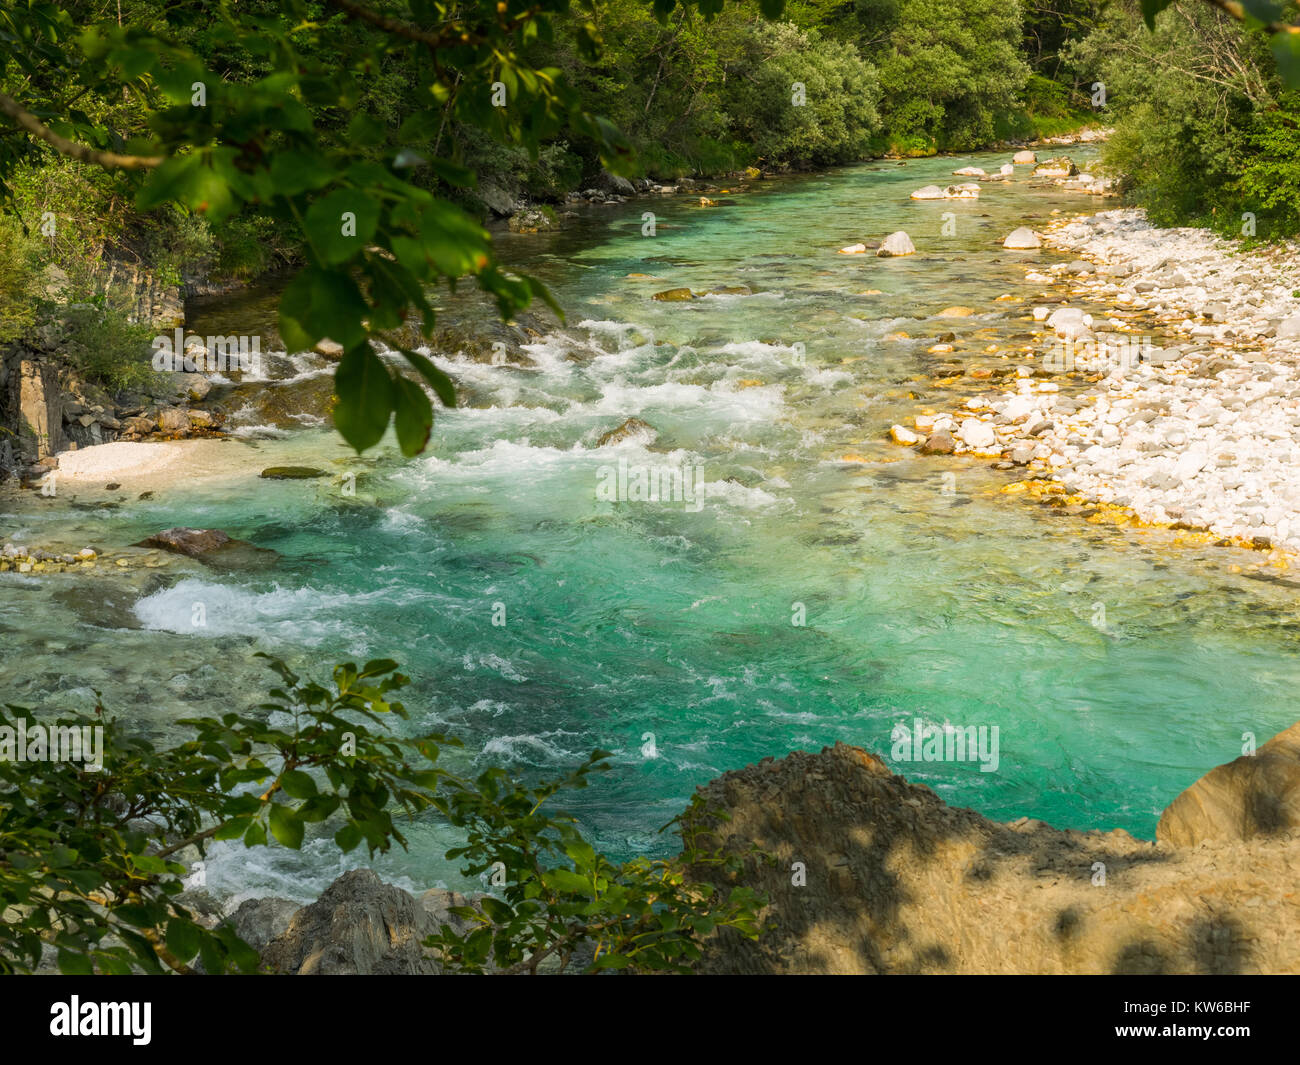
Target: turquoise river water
923, 594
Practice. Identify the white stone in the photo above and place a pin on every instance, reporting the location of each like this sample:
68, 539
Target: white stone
896, 244
1023, 238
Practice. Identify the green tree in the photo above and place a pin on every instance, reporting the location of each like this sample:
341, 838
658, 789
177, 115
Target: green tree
947, 70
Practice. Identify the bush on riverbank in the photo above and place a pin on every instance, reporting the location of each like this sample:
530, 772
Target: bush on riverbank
95, 847
19, 280
1204, 131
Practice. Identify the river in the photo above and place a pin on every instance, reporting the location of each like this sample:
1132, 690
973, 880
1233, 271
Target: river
829, 586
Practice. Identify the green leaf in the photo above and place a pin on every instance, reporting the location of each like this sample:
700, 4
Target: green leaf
414, 418
233, 829
183, 938
348, 837
1264, 11
297, 784
135, 914
71, 964
286, 828
320, 304
365, 394
341, 224
496, 910
1151, 8
438, 381
1286, 50
565, 880
147, 863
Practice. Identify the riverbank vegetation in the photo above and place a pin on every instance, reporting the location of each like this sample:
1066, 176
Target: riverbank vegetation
97, 853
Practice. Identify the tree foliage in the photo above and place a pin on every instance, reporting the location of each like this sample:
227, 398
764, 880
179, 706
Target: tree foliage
93, 861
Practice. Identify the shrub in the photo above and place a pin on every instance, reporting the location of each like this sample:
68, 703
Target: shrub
104, 346
20, 279
91, 862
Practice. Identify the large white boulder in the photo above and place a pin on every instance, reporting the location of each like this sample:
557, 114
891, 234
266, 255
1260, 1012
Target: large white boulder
1022, 239
929, 192
896, 244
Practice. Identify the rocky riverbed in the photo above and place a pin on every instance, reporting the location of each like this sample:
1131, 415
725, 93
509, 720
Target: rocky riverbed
1188, 414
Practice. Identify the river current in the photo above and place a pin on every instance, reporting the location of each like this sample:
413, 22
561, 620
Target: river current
825, 585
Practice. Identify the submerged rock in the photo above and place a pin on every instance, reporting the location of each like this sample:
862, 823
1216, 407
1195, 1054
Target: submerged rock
632, 429
939, 443
674, 295
193, 543
292, 473
211, 546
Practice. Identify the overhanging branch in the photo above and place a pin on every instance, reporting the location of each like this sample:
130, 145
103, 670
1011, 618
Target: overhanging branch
82, 152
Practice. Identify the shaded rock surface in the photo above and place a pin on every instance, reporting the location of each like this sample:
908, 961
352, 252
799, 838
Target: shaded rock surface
211, 546
899, 882
359, 926
1255, 795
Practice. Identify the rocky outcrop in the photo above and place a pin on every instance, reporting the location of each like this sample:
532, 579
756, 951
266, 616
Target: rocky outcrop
866, 872
46, 406
1257, 795
34, 405
360, 926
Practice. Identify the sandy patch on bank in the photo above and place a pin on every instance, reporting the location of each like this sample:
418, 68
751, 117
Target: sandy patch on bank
151, 466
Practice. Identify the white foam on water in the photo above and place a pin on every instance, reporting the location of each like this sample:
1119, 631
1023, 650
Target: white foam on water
259, 432
530, 749
722, 399
292, 615
491, 663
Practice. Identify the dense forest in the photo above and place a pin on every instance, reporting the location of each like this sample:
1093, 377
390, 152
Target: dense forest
1204, 128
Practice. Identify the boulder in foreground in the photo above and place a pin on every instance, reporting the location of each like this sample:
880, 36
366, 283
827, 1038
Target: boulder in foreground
212, 546
1257, 795
866, 872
